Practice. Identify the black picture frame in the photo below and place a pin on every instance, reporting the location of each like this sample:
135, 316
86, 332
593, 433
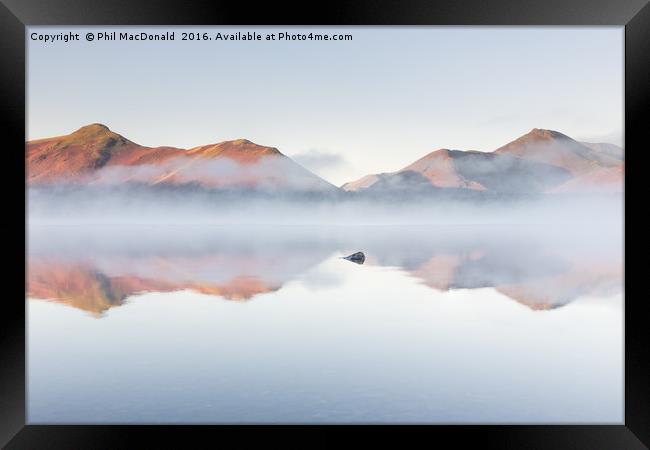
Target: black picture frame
15, 15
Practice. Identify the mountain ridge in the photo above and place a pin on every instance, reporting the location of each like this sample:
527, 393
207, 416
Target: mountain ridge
95, 154
540, 161
536, 162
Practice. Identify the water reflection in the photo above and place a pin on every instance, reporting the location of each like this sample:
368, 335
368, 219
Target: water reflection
97, 269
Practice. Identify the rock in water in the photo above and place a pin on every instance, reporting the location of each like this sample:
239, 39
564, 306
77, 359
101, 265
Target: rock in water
357, 257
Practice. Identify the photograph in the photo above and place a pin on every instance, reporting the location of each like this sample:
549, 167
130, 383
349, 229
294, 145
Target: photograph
286, 225
395, 222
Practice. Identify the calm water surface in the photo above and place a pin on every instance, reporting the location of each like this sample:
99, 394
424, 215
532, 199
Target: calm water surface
259, 325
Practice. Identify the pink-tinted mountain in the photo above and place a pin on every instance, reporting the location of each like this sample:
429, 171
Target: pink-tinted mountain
95, 155
538, 162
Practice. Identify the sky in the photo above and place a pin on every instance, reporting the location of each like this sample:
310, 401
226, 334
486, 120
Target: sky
343, 109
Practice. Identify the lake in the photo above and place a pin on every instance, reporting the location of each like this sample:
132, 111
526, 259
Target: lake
268, 324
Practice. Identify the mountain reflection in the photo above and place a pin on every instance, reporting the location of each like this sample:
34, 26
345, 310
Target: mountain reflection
94, 271
545, 284
83, 285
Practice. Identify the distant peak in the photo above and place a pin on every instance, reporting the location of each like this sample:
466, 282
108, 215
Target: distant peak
241, 141
237, 148
95, 132
252, 146
93, 128
541, 133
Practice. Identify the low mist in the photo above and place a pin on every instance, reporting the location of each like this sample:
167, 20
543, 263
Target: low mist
188, 204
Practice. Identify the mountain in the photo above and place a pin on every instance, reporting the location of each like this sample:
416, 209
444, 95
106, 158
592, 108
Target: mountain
559, 150
75, 156
96, 155
539, 161
471, 170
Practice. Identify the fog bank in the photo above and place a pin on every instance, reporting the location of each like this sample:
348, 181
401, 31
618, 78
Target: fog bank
193, 205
